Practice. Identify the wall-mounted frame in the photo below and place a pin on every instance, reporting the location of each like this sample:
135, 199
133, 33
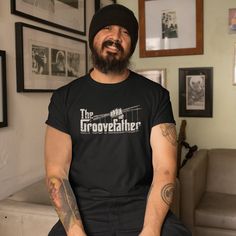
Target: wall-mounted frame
46, 60
63, 14
3, 90
170, 27
195, 92
234, 73
156, 75
102, 3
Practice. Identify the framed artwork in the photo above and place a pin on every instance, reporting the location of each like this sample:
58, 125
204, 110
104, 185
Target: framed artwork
234, 73
63, 14
170, 27
102, 3
156, 75
3, 90
47, 60
232, 21
195, 92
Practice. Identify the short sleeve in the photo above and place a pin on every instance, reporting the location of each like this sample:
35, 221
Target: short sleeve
162, 112
57, 117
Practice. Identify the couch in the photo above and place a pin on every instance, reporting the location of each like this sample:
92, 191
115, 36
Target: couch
208, 193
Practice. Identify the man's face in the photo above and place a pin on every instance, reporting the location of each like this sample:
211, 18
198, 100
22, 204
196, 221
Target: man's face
111, 49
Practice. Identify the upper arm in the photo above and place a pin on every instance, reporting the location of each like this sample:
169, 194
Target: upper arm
58, 152
163, 143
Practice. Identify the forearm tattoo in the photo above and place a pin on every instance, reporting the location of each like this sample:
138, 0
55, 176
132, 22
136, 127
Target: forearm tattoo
64, 201
169, 131
167, 193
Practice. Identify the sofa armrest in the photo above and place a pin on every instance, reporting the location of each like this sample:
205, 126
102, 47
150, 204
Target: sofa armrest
27, 219
29, 211
193, 183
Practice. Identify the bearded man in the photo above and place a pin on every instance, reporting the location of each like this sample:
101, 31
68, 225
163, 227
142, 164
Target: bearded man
111, 142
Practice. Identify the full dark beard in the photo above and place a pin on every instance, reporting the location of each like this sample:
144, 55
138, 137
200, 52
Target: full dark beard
110, 64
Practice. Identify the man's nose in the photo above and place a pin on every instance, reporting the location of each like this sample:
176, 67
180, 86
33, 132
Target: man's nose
116, 33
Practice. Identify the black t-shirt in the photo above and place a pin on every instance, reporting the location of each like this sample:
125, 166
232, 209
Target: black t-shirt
110, 127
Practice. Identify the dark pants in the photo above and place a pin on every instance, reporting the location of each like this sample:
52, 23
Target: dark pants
120, 216
171, 227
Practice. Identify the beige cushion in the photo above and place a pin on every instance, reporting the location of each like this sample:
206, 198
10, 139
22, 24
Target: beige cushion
221, 174
217, 210
36, 193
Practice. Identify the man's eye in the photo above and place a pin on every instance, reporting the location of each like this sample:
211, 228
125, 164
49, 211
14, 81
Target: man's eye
126, 32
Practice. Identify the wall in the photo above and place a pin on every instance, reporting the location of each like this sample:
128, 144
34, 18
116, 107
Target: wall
21, 144
219, 131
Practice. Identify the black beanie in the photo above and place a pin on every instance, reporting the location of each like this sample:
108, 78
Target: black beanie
114, 14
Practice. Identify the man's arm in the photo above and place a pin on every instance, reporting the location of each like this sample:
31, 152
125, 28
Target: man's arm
58, 154
163, 143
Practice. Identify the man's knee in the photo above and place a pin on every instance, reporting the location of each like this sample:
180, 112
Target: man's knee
175, 231
172, 226
57, 230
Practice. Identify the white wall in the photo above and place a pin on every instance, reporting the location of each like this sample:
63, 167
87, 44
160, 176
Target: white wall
21, 144
219, 131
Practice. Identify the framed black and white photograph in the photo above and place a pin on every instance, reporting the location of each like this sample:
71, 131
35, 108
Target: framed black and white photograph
195, 92
47, 60
63, 14
170, 27
102, 3
3, 90
156, 75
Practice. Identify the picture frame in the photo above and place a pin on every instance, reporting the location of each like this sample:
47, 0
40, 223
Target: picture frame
47, 60
102, 3
3, 90
178, 28
62, 14
232, 20
156, 75
196, 92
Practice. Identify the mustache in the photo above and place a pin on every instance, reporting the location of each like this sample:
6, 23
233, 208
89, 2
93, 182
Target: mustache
114, 43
